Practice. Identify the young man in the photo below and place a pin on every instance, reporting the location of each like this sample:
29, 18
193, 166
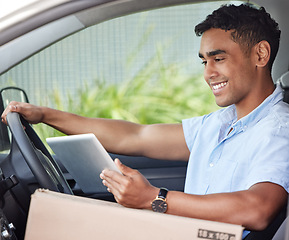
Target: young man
238, 156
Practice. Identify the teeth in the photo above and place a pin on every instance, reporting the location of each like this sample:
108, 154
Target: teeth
220, 85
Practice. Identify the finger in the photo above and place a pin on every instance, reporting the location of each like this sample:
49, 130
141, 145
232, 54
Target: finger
18, 107
107, 185
115, 189
125, 170
12, 107
112, 187
112, 176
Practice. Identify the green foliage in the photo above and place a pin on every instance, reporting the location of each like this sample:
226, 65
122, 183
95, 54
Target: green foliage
156, 94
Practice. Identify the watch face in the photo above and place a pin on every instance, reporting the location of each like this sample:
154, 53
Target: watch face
159, 205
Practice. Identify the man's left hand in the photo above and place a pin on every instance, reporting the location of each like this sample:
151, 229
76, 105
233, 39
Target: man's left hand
131, 189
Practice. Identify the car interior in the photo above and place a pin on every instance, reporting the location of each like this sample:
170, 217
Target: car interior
46, 30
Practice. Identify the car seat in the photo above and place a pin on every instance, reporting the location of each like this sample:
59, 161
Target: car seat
279, 228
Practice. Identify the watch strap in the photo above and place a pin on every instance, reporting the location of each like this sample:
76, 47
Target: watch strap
163, 193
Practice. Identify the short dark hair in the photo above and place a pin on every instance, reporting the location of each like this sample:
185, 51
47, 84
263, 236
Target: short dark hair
250, 25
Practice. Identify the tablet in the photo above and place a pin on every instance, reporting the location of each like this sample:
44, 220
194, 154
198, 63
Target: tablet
84, 158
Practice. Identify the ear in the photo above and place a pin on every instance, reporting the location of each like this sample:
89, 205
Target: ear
263, 52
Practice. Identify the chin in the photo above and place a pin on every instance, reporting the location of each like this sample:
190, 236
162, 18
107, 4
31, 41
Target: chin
223, 104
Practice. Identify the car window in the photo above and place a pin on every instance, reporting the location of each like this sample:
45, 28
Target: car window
142, 67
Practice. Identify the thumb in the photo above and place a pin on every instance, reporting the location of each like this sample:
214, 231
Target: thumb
13, 108
125, 170
10, 108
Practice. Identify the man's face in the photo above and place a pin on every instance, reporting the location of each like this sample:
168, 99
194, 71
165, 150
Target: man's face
228, 71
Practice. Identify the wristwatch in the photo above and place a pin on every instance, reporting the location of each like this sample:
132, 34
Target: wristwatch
159, 204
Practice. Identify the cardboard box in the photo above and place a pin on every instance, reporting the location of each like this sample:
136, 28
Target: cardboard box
65, 217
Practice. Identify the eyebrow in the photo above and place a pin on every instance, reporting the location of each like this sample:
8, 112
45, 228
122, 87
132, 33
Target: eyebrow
212, 53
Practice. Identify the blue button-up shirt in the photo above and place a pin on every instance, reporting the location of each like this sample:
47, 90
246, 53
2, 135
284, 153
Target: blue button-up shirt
256, 150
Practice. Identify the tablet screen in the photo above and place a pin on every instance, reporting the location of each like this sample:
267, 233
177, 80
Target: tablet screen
84, 158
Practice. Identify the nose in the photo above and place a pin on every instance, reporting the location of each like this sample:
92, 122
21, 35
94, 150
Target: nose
210, 72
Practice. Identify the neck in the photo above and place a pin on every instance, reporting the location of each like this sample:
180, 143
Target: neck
257, 96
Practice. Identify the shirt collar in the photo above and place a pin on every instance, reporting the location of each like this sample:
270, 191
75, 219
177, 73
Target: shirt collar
229, 115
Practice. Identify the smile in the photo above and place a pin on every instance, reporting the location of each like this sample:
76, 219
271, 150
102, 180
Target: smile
219, 85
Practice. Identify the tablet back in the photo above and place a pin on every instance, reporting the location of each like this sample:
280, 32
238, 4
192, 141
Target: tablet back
84, 158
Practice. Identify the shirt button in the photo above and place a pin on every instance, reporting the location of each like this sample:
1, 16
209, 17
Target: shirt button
211, 164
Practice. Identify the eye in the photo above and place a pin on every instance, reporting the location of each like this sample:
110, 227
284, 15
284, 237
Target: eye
219, 59
204, 62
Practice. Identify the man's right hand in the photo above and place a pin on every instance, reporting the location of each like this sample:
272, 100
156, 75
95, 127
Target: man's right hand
33, 114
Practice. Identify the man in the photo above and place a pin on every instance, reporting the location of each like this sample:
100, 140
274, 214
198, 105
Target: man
238, 167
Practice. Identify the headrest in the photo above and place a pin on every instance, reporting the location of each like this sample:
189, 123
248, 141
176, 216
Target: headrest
284, 80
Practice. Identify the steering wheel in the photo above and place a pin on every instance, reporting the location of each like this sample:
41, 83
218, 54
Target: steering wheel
41, 163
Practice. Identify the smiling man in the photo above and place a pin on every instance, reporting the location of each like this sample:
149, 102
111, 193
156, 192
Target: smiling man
238, 156
229, 70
